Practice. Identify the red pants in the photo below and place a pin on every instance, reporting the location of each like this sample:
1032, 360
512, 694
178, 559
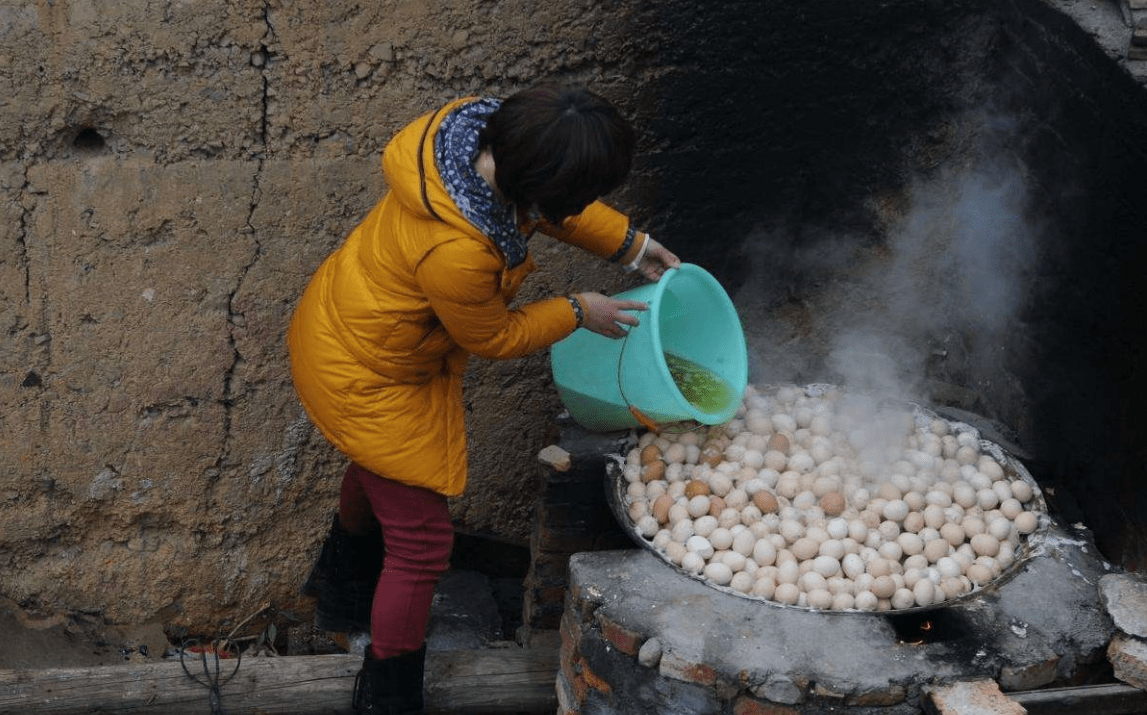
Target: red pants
418, 536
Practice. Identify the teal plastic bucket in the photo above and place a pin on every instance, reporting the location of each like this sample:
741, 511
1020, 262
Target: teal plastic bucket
602, 381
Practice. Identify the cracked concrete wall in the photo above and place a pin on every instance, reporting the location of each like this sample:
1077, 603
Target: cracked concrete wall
171, 175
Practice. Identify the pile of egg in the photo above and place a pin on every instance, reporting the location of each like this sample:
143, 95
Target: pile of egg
816, 498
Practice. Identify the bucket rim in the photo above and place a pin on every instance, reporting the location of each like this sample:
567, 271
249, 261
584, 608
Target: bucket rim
653, 316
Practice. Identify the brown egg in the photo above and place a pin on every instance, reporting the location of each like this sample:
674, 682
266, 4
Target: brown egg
696, 487
661, 508
883, 586
716, 505
779, 442
653, 471
765, 501
832, 504
650, 453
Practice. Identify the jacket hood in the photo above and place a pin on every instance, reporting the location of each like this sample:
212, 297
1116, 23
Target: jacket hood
412, 175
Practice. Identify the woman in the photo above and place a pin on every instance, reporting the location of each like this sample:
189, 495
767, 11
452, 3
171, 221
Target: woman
381, 336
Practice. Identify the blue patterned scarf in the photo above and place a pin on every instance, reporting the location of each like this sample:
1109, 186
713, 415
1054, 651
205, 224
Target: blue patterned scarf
455, 149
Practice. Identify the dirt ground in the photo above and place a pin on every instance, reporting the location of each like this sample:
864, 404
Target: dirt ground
62, 642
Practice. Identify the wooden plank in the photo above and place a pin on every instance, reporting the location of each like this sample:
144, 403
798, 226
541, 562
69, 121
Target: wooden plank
509, 680
514, 680
1111, 699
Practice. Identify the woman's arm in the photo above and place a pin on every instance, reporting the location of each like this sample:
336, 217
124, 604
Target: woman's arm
607, 232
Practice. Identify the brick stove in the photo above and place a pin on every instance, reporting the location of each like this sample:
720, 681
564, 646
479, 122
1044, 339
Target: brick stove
638, 637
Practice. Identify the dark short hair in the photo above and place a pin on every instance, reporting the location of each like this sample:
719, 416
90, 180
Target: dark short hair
557, 147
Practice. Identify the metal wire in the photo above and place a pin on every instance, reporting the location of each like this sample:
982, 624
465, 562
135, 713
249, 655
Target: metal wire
213, 681
680, 427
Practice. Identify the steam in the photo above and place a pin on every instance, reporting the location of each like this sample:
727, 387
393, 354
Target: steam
949, 281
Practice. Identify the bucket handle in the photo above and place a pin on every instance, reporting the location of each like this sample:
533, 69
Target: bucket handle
638, 415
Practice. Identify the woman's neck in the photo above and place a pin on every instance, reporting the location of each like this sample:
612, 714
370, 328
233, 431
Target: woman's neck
484, 165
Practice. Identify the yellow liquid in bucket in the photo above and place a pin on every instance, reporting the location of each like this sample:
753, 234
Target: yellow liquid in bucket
703, 388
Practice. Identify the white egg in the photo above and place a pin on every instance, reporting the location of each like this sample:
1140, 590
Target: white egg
895, 510
764, 588
692, 562
791, 530
692, 453
742, 582
1022, 491
910, 544
736, 498
826, 566
801, 462
999, 528
866, 601
648, 526
888, 530
1026, 522
949, 567
852, 565
903, 598
678, 512
718, 572
963, 494
784, 422
979, 574
787, 594
788, 572
764, 553
721, 538
704, 525
820, 599
753, 458
891, 550
699, 506
700, 546
744, 542
733, 560
1003, 489
682, 531
924, 592
833, 548
987, 499
1011, 508
720, 484
750, 515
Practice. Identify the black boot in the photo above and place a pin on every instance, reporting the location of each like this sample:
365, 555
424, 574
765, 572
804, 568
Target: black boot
343, 580
391, 686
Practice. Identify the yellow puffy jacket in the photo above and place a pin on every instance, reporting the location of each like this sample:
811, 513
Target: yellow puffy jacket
380, 338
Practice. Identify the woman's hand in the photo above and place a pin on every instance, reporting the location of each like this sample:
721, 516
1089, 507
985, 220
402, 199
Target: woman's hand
656, 260
606, 316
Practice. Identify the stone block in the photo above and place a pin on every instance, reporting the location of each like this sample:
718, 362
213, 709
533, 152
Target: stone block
1128, 656
1028, 677
649, 655
980, 697
1125, 597
555, 457
1139, 36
